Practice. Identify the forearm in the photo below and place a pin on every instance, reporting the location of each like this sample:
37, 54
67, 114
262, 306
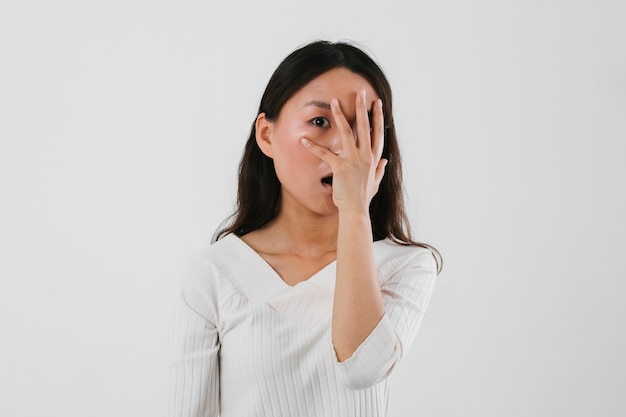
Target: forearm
358, 303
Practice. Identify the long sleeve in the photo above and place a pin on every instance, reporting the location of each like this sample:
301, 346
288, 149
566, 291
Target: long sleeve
246, 344
194, 373
406, 294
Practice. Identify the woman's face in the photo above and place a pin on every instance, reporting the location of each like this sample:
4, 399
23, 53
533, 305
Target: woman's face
307, 114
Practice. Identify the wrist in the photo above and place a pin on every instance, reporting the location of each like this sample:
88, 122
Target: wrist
354, 219
354, 212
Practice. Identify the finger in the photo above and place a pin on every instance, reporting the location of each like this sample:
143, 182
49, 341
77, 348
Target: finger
319, 151
380, 171
363, 124
378, 129
345, 130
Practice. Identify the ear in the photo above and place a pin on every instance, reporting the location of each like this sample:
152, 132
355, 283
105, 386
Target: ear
263, 129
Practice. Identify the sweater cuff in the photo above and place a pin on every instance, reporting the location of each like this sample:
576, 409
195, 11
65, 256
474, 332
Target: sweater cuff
374, 359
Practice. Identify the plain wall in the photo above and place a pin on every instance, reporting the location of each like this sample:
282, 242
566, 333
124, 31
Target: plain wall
122, 124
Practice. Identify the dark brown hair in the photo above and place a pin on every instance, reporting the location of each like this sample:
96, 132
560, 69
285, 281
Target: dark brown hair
258, 195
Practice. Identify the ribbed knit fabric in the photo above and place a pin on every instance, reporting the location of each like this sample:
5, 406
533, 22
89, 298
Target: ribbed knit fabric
246, 344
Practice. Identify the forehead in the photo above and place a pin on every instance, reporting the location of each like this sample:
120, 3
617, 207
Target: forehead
340, 83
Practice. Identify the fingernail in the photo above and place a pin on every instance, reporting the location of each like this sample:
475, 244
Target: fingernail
305, 142
334, 102
363, 97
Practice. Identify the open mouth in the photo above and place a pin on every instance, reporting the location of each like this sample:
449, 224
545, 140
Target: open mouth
328, 180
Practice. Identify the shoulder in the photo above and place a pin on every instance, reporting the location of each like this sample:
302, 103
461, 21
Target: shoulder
206, 258
203, 271
392, 257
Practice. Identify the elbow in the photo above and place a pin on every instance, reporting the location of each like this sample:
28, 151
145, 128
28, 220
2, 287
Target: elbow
358, 382
373, 360
361, 372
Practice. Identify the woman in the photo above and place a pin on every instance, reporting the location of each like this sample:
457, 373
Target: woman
304, 304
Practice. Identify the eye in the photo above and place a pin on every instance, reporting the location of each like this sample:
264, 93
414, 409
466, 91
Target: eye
320, 122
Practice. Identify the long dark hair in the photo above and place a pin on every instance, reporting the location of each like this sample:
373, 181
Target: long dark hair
258, 195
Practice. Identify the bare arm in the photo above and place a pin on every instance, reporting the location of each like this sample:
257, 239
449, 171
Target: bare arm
358, 303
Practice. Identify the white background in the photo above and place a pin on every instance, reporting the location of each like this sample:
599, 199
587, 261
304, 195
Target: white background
122, 123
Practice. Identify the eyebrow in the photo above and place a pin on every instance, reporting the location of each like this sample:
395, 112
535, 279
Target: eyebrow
318, 103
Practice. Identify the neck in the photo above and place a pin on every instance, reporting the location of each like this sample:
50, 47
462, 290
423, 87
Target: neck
305, 234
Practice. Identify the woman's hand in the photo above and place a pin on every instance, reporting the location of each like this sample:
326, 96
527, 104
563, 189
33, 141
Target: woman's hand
358, 168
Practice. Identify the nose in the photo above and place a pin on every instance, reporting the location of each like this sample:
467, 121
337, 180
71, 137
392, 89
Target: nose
335, 141
335, 144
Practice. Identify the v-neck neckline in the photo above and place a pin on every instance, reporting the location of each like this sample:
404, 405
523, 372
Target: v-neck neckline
321, 276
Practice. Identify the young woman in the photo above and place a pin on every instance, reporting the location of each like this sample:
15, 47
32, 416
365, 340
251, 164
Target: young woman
306, 302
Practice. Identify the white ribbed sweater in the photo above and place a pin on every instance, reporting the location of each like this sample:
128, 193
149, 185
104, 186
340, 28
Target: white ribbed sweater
246, 344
